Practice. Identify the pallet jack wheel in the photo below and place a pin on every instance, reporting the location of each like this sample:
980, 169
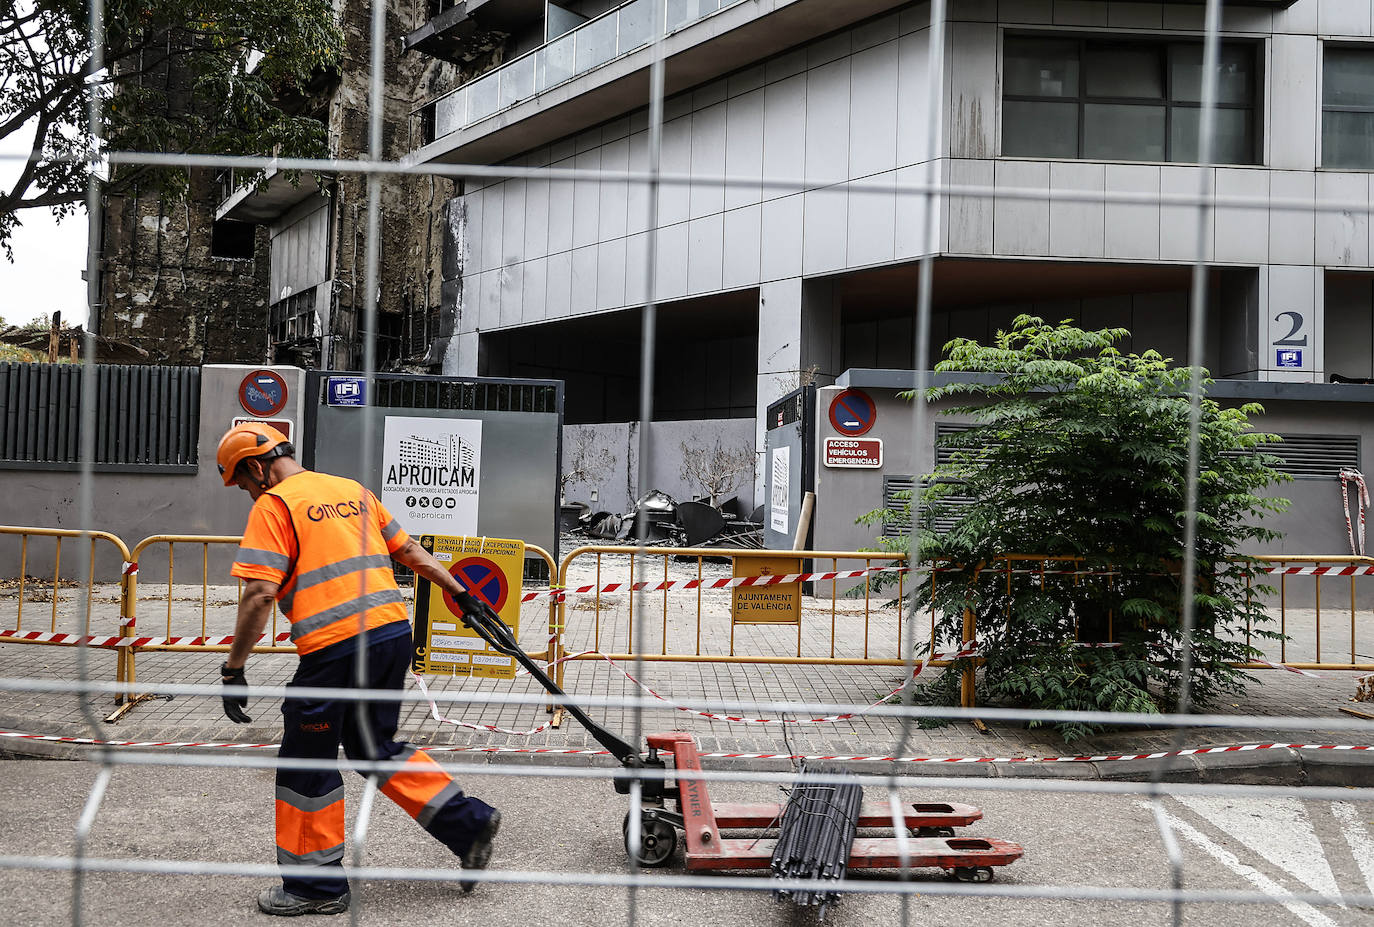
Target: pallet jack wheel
973, 873
657, 840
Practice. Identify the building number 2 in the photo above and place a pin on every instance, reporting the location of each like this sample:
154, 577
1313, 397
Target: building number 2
1289, 340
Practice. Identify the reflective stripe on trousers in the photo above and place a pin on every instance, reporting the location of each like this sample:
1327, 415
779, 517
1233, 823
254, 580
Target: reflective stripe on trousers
310, 802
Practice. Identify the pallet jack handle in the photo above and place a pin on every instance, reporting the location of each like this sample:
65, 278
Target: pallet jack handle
489, 626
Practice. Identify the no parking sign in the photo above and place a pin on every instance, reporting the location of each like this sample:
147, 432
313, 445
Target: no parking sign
491, 570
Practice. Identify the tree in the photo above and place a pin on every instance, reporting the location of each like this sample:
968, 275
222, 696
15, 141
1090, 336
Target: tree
179, 76
1080, 451
716, 470
585, 462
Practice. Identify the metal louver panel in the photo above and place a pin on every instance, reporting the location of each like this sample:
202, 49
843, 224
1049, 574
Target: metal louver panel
951, 508
147, 419
1315, 457
896, 525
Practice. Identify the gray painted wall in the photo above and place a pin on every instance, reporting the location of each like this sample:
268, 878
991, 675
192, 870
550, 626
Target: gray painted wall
617, 485
134, 506
1314, 524
848, 110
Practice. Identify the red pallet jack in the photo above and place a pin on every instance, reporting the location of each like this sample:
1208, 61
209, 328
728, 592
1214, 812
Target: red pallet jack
933, 843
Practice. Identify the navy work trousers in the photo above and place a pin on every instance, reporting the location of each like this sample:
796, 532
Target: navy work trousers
310, 807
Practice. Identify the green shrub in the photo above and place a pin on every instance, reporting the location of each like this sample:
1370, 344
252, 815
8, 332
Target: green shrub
1080, 451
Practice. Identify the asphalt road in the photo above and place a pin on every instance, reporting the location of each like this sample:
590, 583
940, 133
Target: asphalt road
557, 829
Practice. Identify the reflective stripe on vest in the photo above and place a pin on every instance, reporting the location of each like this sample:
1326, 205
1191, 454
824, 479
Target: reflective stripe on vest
342, 568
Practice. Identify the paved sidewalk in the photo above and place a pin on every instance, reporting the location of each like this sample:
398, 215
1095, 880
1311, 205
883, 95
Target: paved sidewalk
1277, 693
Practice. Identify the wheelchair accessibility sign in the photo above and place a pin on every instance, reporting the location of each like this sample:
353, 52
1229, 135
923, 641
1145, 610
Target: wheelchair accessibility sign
490, 569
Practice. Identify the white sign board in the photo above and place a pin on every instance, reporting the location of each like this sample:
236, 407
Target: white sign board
431, 468
777, 502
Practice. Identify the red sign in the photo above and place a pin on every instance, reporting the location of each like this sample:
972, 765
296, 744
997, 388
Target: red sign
263, 393
863, 454
281, 424
483, 579
852, 412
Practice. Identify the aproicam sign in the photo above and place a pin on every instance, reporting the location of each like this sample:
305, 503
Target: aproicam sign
431, 470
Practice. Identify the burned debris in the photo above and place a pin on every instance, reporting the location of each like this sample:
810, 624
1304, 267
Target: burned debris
670, 523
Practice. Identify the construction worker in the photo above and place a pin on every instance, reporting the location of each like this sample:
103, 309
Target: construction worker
322, 547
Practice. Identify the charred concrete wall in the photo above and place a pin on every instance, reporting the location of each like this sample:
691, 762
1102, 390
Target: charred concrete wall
167, 293
413, 208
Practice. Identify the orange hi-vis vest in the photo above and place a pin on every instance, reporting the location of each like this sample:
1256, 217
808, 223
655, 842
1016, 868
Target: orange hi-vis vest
340, 566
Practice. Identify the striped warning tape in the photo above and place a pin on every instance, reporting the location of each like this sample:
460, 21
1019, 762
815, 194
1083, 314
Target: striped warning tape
855, 758
1360, 570
724, 582
52, 637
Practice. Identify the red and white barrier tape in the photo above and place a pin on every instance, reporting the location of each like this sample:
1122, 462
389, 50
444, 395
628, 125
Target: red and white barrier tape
575, 751
51, 637
725, 582
1362, 498
1357, 570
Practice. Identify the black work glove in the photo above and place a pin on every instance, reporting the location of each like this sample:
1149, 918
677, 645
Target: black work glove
467, 604
234, 704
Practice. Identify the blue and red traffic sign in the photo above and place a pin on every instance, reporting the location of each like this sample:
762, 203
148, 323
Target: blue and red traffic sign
852, 413
263, 393
481, 577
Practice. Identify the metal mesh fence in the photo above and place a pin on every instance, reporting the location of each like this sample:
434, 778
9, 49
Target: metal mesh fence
1168, 868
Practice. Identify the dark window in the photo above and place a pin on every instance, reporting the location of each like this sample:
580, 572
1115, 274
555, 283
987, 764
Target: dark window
292, 319
232, 239
1123, 101
1348, 107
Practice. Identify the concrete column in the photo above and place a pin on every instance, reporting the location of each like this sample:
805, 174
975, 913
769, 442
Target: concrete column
460, 358
1291, 323
799, 341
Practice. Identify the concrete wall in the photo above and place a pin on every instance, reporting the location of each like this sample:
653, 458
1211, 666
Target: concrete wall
539, 250
849, 109
1314, 524
616, 483
134, 506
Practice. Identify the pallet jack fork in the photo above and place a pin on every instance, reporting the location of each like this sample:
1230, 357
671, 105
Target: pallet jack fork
932, 844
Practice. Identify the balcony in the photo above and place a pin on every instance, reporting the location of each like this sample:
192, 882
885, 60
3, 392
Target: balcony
611, 35
272, 199
451, 23
599, 70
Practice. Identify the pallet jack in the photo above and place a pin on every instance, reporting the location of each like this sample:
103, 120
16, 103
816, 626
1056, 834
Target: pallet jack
932, 844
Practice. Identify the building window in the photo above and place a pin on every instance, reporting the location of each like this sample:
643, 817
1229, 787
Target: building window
292, 319
1110, 100
233, 240
1348, 107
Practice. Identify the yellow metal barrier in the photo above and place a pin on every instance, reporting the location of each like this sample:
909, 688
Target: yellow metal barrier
877, 643
206, 639
1315, 570
1299, 628
70, 636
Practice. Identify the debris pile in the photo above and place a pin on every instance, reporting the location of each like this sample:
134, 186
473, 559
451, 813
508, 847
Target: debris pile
669, 523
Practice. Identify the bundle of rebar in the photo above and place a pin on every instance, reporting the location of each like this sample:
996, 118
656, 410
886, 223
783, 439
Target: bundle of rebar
817, 832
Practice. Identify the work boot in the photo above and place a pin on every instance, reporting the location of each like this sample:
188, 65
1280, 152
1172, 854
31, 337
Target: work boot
479, 854
277, 900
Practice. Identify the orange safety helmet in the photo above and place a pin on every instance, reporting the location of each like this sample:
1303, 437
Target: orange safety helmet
251, 439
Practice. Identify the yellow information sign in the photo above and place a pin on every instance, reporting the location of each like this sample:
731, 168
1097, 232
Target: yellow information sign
490, 569
779, 604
